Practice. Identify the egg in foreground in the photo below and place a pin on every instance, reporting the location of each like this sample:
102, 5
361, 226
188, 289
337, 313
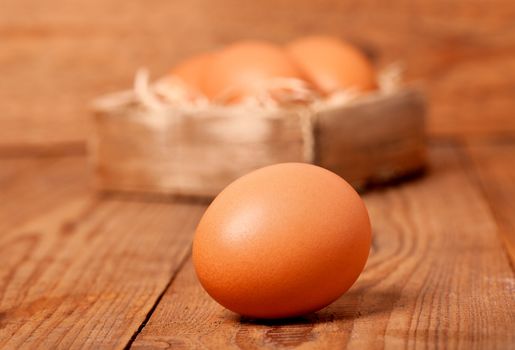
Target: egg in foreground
282, 241
331, 64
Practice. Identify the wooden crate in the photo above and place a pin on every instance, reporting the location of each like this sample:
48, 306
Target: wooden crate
375, 139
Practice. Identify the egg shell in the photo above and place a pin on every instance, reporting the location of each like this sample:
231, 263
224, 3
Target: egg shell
241, 69
282, 241
331, 64
191, 71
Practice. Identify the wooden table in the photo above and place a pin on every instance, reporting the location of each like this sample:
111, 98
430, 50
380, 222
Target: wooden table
78, 270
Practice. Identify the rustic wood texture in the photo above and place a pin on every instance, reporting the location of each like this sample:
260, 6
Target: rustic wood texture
165, 151
437, 278
494, 163
375, 139
58, 55
378, 139
82, 271
108, 272
87, 272
30, 187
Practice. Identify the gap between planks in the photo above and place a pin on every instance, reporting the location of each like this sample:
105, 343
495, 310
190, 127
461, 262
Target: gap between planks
437, 278
70, 171
79, 270
92, 282
158, 300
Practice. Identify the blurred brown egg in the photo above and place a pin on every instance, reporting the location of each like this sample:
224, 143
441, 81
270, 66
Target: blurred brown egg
282, 241
191, 71
244, 68
331, 64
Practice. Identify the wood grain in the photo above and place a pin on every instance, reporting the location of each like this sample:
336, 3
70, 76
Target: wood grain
58, 55
435, 279
494, 163
372, 140
87, 272
30, 187
376, 140
188, 153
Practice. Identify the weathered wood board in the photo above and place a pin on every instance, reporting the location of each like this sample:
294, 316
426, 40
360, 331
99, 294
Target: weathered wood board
104, 272
436, 278
373, 141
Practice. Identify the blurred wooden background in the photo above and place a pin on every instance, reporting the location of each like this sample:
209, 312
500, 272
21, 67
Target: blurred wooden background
55, 56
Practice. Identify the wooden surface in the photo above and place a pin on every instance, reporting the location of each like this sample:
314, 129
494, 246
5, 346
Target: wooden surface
193, 154
55, 56
495, 164
376, 140
83, 271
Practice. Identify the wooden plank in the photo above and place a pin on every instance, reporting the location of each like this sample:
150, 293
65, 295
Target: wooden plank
495, 165
376, 140
56, 58
436, 278
29, 187
87, 272
188, 153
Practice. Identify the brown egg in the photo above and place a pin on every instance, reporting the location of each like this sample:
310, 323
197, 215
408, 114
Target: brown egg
191, 71
241, 69
282, 241
331, 64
